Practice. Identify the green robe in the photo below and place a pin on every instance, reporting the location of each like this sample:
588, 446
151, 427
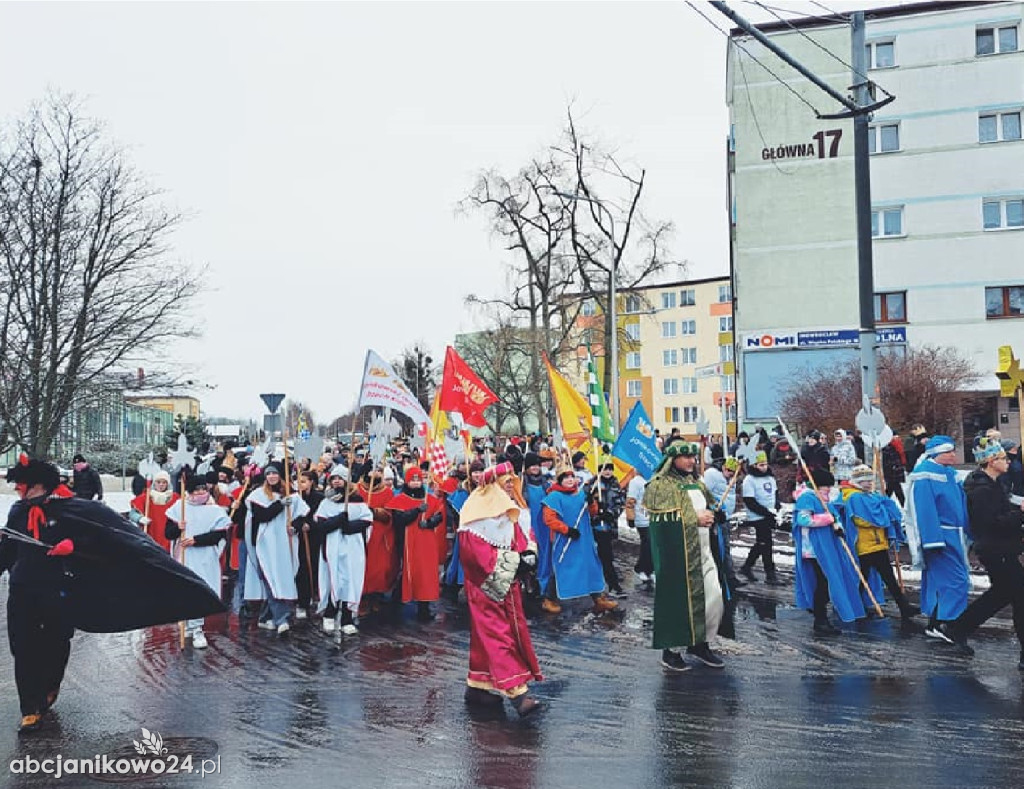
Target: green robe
679, 593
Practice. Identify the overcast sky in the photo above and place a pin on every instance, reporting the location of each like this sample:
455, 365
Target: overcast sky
319, 150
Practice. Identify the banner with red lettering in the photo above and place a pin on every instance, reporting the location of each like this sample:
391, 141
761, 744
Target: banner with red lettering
463, 391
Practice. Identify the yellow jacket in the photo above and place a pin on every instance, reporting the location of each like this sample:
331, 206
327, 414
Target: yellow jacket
870, 537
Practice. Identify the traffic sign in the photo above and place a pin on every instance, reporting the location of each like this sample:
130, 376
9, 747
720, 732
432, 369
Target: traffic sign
272, 401
709, 370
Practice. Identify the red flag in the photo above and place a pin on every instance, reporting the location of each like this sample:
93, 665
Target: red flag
463, 391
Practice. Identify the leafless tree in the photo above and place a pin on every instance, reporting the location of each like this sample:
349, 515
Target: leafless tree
925, 386
87, 281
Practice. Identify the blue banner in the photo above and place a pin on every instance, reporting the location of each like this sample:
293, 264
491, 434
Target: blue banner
636, 445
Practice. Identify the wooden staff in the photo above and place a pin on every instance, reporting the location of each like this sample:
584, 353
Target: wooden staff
725, 495
287, 490
842, 540
181, 548
146, 509
876, 467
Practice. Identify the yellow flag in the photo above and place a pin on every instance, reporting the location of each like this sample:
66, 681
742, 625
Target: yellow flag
438, 419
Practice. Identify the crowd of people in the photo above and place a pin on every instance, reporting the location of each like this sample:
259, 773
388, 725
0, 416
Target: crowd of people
341, 538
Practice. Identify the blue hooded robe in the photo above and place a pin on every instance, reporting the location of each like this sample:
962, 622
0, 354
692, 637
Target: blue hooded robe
881, 511
939, 507
577, 571
453, 574
534, 495
843, 581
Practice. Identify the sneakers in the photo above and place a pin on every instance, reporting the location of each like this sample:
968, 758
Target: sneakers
704, 654
642, 578
30, 723
823, 627
329, 625
266, 624
938, 634
772, 579
673, 661
349, 629
603, 604
300, 614
736, 582
549, 606
618, 594
199, 640
283, 628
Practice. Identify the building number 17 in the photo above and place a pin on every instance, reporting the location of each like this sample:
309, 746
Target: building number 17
833, 148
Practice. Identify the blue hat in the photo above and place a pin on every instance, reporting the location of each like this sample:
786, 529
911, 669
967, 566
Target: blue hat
938, 445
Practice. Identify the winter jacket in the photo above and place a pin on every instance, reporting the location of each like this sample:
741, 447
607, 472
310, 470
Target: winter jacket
87, 484
892, 466
996, 526
844, 458
613, 500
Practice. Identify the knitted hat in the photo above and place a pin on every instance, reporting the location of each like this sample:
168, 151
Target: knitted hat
195, 481
531, 459
861, 475
761, 457
161, 474
272, 468
338, 471
987, 450
413, 472
938, 445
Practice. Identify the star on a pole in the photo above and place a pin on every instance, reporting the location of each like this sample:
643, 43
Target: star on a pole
1009, 373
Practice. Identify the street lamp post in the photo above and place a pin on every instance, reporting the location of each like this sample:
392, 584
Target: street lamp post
612, 308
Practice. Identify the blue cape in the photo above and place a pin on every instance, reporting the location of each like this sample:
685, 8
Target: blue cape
577, 571
843, 582
534, 495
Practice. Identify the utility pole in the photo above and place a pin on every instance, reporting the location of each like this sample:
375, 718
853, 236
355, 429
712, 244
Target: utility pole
859, 108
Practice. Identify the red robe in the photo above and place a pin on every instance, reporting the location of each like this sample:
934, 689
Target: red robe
501, 655
421, 580
381, 559
158, 516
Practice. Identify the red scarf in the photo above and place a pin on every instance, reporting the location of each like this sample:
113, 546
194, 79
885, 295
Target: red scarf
36, 515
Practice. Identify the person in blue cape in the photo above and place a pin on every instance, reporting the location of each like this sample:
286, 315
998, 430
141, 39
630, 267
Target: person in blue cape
453, 574
873, 525
936, 519
566, 511
535, 488
823, 569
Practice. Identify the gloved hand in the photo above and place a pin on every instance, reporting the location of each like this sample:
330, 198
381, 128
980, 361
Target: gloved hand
63, 548
838, 530
574, 533
528, 557
431, 522
144, 521
422, 507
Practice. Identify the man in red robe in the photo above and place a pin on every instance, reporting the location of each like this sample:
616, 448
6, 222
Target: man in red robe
415, 514
493, 548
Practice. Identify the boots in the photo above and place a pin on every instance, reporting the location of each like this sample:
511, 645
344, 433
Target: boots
747, 570
525, 705
423, 612
822, 627
549, 606
770, 576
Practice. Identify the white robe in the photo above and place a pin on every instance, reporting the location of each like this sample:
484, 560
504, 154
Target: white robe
714, 603
203, 561
344, 568
276, 557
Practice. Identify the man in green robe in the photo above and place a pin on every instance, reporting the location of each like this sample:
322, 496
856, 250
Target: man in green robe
688, 603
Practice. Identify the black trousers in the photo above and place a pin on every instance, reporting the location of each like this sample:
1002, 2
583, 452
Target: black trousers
645, 562
764, 546
606, 553
879, 560
1007, 588
820, 592
40, 638
891, 487
307, 591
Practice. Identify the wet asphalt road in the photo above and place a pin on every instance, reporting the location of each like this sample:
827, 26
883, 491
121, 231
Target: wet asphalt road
384, 708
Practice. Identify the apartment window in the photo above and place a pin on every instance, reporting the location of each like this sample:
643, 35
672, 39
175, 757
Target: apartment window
690, 413
887, 222
724, 293
881, 54
669, 358
670, 386
687, 298
1001, 214
633, 360
725, 323
1004, 302
999, 126
689, 385
668, 329
634, 388
689, 355
994, 40
589, 308
668, 300
884, 138
725, 353
891, 307
688, 327
671, 415
632, 304
633, 331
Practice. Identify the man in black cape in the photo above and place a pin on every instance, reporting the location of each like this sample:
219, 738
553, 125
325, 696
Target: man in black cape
77, 564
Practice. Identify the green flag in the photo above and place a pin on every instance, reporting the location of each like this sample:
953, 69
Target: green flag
604, 427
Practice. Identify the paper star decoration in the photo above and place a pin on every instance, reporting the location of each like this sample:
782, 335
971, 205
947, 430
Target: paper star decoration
182, 457
1009, 373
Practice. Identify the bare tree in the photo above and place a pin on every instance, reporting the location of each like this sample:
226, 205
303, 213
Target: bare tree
925, 386
295, 411
417, 369
86, 279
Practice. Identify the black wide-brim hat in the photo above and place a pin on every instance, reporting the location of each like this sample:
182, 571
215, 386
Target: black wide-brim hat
34, 472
